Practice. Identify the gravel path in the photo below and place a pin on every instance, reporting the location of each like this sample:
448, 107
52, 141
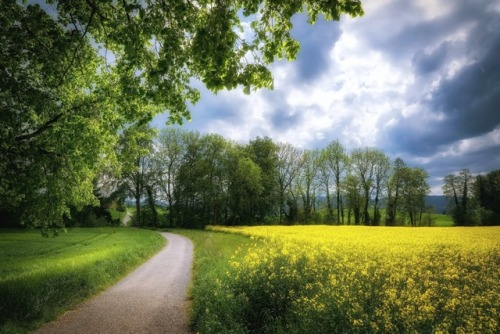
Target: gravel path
127, 218
150, 300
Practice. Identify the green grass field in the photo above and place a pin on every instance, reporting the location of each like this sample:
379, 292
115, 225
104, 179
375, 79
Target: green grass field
115, 214
41, 277
442, 220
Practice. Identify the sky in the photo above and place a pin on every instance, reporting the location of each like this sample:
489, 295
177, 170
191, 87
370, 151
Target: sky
418, 79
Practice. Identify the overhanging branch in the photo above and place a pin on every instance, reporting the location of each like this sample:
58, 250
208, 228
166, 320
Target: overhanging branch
47, 125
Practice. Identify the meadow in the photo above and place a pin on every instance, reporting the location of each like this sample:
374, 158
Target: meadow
347, 279
41, 277
442, 220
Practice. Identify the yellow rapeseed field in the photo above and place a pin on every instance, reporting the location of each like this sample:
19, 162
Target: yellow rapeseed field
331, 279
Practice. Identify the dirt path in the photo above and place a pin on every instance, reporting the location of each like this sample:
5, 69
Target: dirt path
150, 300
127, 218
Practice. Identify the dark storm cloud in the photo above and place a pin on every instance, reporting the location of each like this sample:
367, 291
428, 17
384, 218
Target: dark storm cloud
468, 105
471, 99
465, 104
426, 62
475, 161
400, 30
316, 41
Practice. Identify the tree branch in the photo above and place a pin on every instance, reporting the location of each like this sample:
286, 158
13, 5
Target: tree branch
47, 125
73, 58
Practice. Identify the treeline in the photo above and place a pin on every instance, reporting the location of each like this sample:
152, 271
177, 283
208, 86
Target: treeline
473, 200
194, 180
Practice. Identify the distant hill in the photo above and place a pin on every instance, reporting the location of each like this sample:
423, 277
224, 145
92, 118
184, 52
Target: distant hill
437, 202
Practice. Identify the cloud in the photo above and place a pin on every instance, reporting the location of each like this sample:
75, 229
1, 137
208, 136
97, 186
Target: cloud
426, 62
461, 100
417, 79
316, 42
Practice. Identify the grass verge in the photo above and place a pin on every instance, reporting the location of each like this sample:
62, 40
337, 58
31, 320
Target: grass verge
42, 277
213, 253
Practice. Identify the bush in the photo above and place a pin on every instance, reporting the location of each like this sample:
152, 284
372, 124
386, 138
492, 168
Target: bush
91, 216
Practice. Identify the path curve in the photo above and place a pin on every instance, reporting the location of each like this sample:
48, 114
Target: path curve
127, 218
152, 299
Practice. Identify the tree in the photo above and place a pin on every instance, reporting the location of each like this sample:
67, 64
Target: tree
486, 191
264, 153
354, 197
212, 179
244, 188
135, 148
394, 191
74, 74
325, 177
308, 181
288, 167
337, 161
167, 161
363, 163
414, 189
381, 168
58, 130
185, 195
457, 188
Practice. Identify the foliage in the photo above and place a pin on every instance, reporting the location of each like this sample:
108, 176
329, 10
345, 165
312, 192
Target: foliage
457, 189
473, 200
207, 179
41, 278
306, 279
75, 74
56, 124
91, 216
134, 149
264, 153
487, 194
287, 170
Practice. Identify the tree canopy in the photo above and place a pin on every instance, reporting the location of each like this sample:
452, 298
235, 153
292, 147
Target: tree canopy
75, 74
202, 179
473, 200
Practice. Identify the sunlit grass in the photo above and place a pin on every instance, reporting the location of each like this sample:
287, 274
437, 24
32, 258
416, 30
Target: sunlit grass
442, 220
41, 277
117, 215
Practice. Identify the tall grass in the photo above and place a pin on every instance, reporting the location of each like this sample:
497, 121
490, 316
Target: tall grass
213, 253
42, 277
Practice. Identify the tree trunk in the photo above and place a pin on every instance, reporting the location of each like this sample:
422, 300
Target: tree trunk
138, 210
367, 203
